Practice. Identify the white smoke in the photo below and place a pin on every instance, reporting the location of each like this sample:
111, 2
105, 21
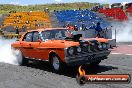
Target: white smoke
124, 31
6, 54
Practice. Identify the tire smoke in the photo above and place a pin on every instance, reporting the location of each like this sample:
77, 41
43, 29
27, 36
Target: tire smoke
124, 31
6, 54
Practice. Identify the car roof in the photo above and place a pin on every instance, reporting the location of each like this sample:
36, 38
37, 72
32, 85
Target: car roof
44, 29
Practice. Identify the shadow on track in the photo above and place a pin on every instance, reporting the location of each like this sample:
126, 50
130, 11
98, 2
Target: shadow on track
72, 71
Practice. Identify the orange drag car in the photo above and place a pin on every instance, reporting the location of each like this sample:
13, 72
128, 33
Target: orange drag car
59, 48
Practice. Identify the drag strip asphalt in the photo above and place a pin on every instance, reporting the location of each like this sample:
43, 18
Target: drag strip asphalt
40, 75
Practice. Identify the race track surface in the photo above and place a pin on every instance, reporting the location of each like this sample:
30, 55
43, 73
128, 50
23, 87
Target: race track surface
40, 75
123, 49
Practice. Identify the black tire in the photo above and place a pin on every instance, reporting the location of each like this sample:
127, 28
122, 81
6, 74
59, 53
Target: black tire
56, 64
24, 61
20, 57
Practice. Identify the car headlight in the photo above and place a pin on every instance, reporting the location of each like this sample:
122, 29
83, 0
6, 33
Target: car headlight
70, 50
100, 46
104, 46
79, 49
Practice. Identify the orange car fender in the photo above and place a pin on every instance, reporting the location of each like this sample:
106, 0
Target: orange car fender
59, 52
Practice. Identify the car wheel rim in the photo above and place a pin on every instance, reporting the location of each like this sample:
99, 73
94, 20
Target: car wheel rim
56, 63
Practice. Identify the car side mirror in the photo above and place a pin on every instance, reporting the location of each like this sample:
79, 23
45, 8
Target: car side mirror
39, 40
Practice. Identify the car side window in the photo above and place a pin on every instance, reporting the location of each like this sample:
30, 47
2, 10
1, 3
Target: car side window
28, 37
46, 35
35, 36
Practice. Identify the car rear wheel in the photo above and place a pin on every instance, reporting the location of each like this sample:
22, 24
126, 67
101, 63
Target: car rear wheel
20, 58
56, 64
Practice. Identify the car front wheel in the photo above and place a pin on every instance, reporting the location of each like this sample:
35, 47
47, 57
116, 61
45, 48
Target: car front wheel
56, 64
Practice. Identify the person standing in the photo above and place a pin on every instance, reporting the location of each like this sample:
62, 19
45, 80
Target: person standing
17, 30
98, 29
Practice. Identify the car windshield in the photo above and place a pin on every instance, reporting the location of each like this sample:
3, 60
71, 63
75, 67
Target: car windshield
59, 34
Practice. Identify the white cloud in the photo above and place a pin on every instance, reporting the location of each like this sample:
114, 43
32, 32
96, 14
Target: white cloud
102, 0
58, 0
15, 2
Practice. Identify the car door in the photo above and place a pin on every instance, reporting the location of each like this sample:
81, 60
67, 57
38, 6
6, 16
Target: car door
26, 45
43, 48
35, 44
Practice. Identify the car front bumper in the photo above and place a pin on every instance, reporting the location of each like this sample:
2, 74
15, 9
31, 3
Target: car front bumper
85, 58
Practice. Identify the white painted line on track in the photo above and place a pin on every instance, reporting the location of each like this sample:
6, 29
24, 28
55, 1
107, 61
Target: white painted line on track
129, 45
121, 54
116, 53
129, 54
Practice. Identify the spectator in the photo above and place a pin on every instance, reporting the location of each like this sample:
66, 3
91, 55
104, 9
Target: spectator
79, 8
84, 27
24, 28
17, 30
98, 29
46, 10
70, 27
27, 22
75, 28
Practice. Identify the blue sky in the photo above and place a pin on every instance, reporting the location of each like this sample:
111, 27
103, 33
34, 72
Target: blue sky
31, 2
